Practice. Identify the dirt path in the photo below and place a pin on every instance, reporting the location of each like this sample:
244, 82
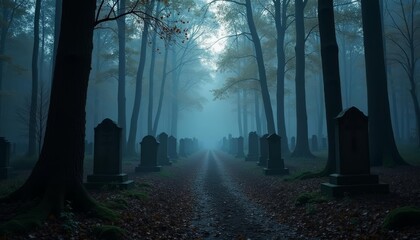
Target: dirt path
224, 212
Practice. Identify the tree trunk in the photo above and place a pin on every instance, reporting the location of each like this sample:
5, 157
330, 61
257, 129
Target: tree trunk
281, 22
57, 22
245, 115
302, 144
239, 114
34, 95
162, 92
151, 81
121, 73
257, 112
261, 68
331, 74
175, 89
131, 150
321, 113
57, 176
381, 137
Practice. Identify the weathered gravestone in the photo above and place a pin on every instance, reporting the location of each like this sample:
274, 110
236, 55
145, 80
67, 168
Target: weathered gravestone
353, 165
162, 154
240, 148
107, 158
172, 148
314, 143
263, 151
148, 156
275, 164
4, 158
252, 147
292, 143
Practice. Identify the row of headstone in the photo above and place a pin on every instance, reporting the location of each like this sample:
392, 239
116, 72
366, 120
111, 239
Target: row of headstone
4, 158
107, 162
188, 146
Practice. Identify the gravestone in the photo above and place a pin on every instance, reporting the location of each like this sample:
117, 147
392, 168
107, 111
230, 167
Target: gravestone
263, 151
162, 154
314, 143
4, 158
240, 148
353, 166
292, 143
172, 146
275, 163
252, 147
107, 158
148, 156
182, 150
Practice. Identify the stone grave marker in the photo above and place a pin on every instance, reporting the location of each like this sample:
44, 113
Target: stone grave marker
172, 148
182, 150
240, 148
353, 166
148, 156
4, 158
275, 163
263, 151
107, 158
252, 147
162, 154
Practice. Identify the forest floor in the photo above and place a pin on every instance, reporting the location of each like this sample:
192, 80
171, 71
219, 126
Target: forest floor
212, 195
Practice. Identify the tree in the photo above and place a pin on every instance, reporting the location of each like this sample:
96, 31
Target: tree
35, 76
121, 72
139, 81
382, 147
405, 37
302, 144
331, 74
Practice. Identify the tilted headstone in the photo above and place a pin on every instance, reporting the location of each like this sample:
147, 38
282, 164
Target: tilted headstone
252, 147
107, 157
148, 156
263, 151
240, 152
4, 158
353, 165
275, 163
314, 143
172, 148
292, 143
163, 158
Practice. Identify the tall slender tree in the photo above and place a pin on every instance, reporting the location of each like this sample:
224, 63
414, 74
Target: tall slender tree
302, 144
383, 149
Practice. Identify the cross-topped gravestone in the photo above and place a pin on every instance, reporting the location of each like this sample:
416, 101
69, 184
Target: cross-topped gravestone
107, 157
148, 156
353, 165
4, 158
240, 147
275, 163
252, 147
163, 158
263, 151
172, 148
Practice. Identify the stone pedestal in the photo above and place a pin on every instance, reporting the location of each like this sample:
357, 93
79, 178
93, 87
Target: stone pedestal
252, 147
148, 156
162, 154
275, 163
353, 165
263, 151
107, 161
